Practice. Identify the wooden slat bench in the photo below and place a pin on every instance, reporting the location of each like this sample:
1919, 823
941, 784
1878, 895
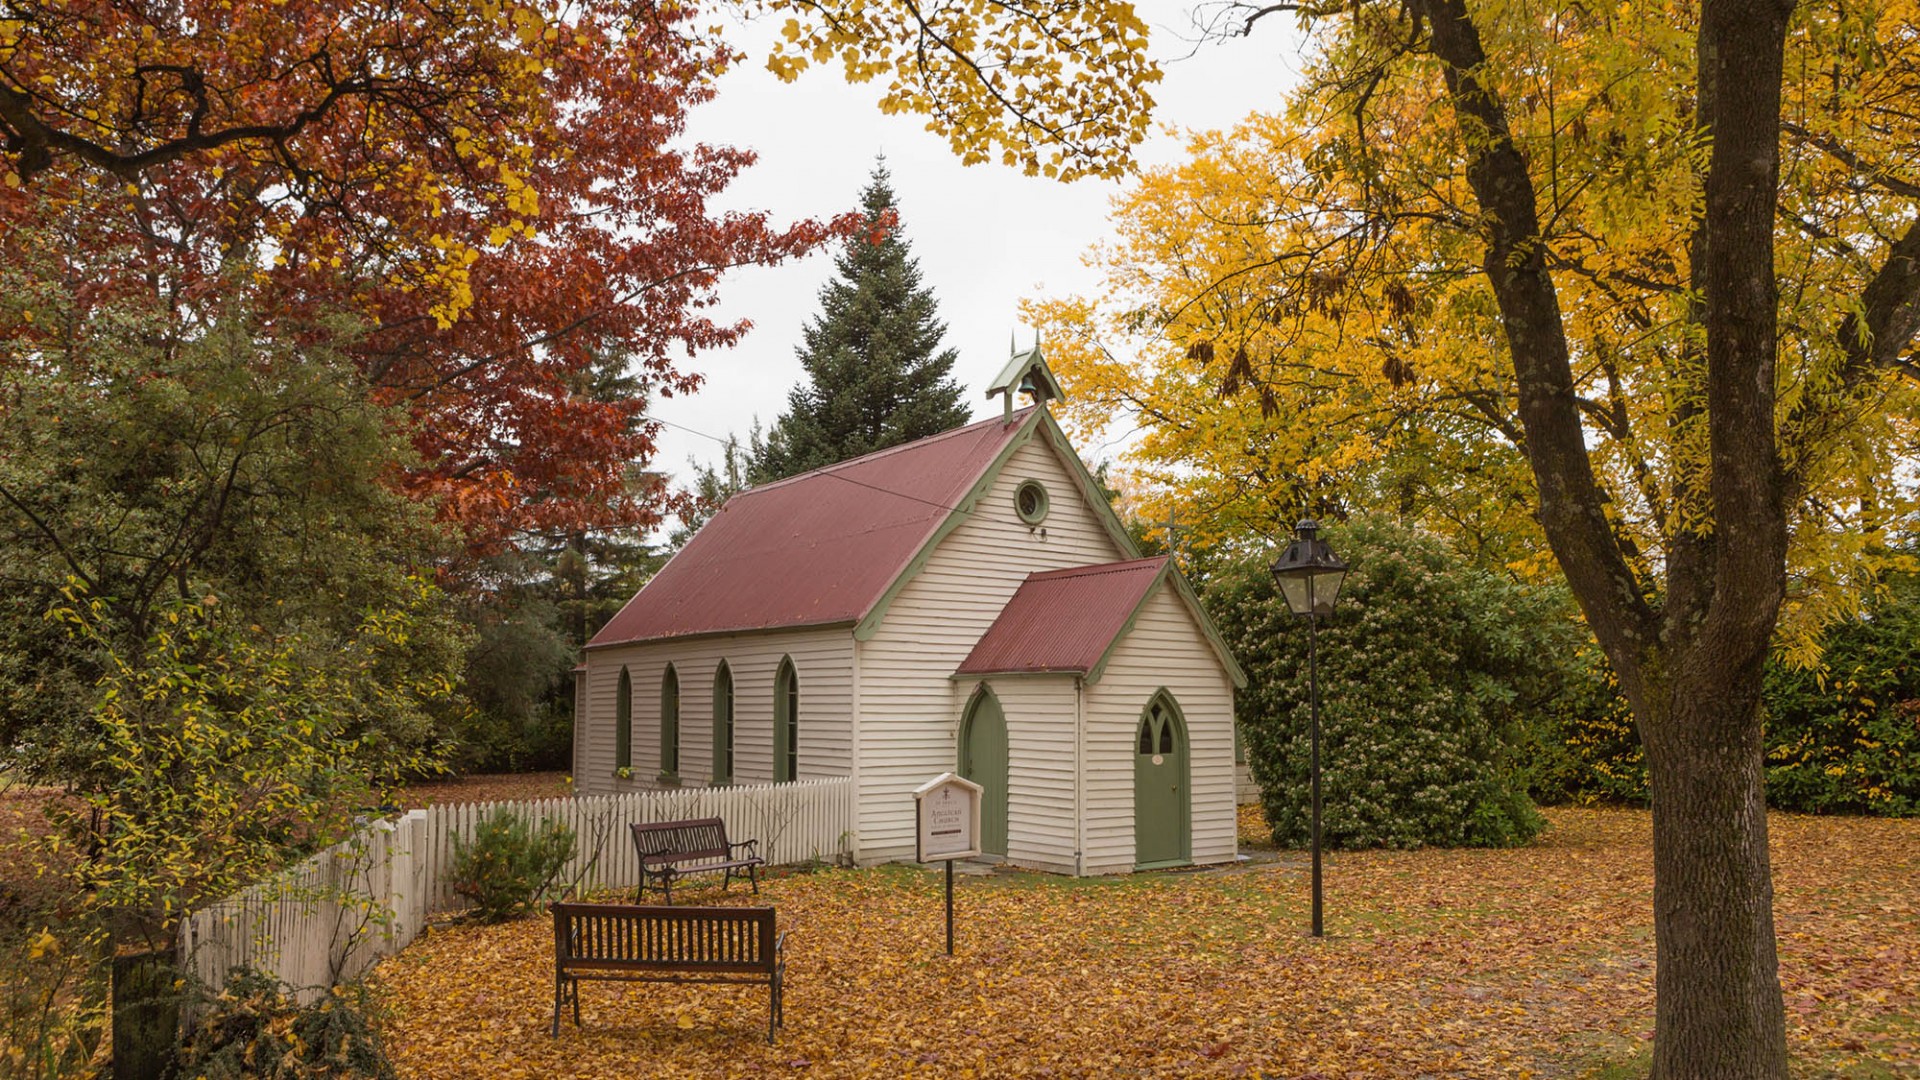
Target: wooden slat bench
631, 943
665, 845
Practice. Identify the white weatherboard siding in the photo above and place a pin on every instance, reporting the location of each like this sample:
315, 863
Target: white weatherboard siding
1164, 650
1040, 726
822, 660
909, 709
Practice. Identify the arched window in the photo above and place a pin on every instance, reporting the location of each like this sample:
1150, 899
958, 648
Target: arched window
723, 725
623, 723
786, 723
670, 723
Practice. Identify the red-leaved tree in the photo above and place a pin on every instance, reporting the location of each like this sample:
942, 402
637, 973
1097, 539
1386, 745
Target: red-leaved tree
501, 195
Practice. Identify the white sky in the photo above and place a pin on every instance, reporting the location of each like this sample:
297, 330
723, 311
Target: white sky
985, 236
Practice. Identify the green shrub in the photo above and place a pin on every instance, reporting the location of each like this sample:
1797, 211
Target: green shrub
1841, 738
1844, 738
1584, 744
509, 866
1428, 671
253, 1030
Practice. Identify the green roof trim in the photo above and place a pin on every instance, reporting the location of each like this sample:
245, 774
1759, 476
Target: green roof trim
1042, 423
1089, 490
1022, 365
869, 623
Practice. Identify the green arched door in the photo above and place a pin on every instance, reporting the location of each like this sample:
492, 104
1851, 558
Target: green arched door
1160, 806
983, 760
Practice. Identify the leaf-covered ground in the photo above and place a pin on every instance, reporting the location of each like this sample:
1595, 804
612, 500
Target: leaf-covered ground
31, 880
1536, 961
486, 787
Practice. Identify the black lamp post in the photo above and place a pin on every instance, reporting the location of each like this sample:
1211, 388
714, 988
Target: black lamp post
1309, 575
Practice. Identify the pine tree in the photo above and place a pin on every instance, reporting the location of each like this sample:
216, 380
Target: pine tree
877, 376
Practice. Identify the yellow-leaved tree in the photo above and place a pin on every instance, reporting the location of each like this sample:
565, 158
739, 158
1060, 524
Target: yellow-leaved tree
1636, 284
1295, 324
1054, 87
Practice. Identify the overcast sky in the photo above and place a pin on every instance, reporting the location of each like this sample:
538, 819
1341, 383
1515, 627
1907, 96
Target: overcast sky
985, 236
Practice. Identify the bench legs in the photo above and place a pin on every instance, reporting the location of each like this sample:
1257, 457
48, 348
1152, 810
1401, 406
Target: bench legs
568, 990
564, 988
753, 878
665, 881
776, 1008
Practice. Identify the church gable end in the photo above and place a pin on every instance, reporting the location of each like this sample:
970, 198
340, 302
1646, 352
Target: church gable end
933, 618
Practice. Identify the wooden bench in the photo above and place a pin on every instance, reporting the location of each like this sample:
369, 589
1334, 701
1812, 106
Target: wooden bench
665, 845
631, 943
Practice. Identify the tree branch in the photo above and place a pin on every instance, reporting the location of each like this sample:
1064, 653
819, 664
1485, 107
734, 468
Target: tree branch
1571, 506
38, 141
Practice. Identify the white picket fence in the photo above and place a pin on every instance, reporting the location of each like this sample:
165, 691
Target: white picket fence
328, 919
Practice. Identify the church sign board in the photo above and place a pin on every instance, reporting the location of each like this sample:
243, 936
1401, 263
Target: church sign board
947, 816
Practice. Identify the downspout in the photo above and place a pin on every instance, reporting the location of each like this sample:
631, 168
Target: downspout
853, 765
582, 718
1079, 776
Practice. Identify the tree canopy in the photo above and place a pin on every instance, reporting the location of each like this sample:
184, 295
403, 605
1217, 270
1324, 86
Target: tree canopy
502, 190
143, 473
1299, 319
877, 375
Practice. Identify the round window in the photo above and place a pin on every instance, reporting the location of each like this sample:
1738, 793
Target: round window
1030, 501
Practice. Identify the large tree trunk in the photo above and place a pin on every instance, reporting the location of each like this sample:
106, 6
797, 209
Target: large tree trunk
1692, 665
1717, 1007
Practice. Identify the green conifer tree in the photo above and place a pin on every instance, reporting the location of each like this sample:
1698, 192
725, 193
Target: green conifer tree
877, 376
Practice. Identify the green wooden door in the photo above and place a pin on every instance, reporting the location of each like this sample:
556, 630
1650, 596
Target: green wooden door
983, 760
1160, 787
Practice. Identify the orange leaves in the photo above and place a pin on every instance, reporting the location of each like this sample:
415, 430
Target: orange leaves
497, 194
1536, 961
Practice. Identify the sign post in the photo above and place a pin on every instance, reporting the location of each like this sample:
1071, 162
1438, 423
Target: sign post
946, 811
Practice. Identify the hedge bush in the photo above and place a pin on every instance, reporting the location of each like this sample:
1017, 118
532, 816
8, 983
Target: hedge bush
509, 865
1429, 670
1584, 743
1841, 738
254, 1030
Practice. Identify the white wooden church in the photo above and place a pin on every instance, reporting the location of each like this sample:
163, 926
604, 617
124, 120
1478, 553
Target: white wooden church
967, 601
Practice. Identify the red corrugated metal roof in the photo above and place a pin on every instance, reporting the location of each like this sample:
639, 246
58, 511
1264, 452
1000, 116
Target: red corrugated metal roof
1063, 620
814, 549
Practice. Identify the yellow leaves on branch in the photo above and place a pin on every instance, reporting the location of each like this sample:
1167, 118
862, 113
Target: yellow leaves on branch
1297, 316
1057, 89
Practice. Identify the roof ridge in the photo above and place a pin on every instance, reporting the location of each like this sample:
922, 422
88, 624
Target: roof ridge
1018, 417
1092, 569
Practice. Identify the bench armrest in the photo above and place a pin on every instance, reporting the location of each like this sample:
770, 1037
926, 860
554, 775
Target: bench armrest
753, 847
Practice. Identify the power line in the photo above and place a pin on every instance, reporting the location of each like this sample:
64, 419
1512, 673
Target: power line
826, 471
886, 491
685, 428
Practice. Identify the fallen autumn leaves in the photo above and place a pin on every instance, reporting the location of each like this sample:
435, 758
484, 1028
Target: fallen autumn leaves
1537, 961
